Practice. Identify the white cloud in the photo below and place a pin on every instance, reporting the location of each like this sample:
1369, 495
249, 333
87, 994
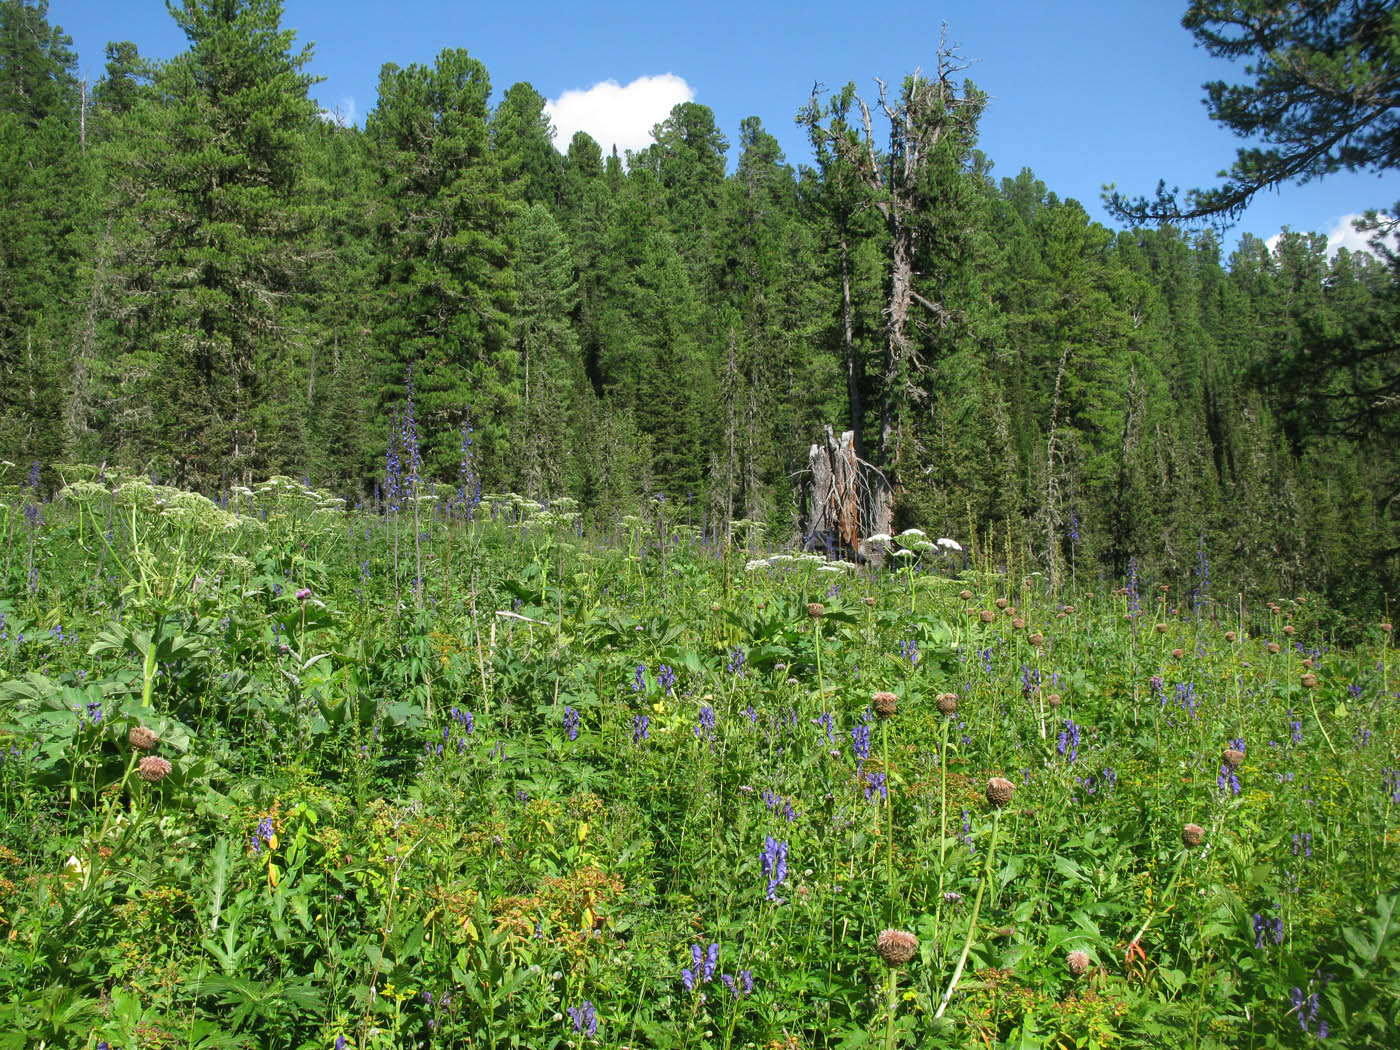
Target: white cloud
342, 113
1341, 234
615, 115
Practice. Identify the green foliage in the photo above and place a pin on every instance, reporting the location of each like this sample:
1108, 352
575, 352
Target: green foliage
1322, 98
619, 735
444, 285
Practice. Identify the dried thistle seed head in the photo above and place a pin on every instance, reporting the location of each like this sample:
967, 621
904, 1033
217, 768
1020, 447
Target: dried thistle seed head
153, 768
884, 704
896, 947
947, 703
1230, 636
1037, 639
1078, 963
1232, 757
1177, 654
141, 738
1272, 647
1309, 681
1018, 624
869, 600
1192, 835
1161, 628
1308, 663
987, 616
1053, 699
1288, 629
714, 607
1069, 609
1387, 627
964, 594
999, 791
1002, 603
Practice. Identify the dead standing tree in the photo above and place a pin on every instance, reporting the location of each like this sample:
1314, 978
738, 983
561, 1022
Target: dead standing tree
847, 500
930, 114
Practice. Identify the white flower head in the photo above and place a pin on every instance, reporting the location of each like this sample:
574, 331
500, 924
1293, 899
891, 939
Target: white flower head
905, 552
879, 537
911, 532
947, 544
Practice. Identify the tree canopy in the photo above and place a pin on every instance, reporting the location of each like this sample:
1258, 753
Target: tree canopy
1323, 95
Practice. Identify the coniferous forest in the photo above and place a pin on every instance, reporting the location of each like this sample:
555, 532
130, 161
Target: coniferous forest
404, 642
206, 280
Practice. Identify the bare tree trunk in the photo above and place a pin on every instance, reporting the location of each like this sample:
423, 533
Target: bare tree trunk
1052, 482
848, 326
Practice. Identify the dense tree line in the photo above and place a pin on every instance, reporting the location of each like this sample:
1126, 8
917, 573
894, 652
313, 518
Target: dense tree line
203, 277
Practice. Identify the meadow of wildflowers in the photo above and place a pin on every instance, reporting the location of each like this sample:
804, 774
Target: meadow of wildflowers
448, 771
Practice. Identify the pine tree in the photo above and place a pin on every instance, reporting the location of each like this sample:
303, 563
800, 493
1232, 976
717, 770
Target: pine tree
207, 179
444, 285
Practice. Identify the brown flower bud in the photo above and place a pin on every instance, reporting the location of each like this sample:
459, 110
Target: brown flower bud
141, 738
1078, 963
1018, 624
1387, 627
1272, 647
896, 947
1037, 639
1232, 757
1308, 663
1289, 629
1309, 681
987, 616
1069, 609
869, 600
1161, 628
1192, 835
1053, 700
153, 768
1230, 636
815, 610
964, 594
999, 791
947, 703
884, 704
1002, 603
1178, 653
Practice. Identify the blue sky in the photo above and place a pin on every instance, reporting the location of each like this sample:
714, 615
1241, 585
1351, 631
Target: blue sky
1081, 93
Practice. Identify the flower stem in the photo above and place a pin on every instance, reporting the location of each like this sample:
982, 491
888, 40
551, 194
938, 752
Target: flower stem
972, 922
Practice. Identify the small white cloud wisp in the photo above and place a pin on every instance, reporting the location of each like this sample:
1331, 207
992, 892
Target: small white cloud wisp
1341, 234
616, 115
342, 113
